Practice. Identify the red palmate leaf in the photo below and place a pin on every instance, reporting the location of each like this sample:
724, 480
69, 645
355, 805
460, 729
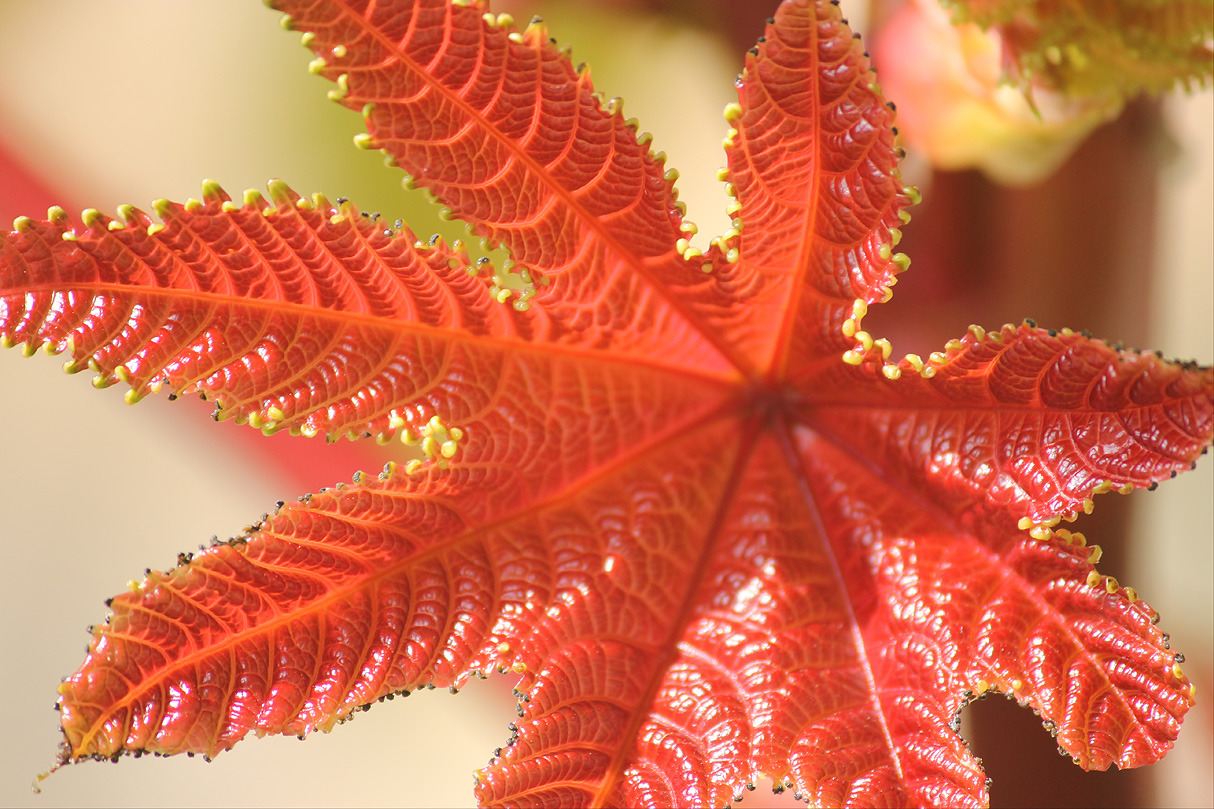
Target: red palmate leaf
686, 497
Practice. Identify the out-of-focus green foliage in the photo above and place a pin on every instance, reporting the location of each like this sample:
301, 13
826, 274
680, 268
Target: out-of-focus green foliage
1116, 48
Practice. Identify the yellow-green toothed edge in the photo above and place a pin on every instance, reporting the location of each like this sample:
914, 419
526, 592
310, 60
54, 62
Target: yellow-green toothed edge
343, 88
253, 199
852, 326
212, 191
1045, 532
498, 20
440, 442
507, 284
536, 29
733, 114
268, 420
395, 425
280, 193
71, 365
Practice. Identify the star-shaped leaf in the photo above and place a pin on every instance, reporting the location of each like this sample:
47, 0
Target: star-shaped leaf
715, 531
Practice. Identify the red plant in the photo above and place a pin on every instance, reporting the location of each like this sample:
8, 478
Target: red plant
685, 496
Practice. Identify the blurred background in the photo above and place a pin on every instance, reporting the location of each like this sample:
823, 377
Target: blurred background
109, 103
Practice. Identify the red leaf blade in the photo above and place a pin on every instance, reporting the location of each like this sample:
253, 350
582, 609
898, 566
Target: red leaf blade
947, 612
531, 158
313, 320
1032, 422
389, 584
262, 308
814, 167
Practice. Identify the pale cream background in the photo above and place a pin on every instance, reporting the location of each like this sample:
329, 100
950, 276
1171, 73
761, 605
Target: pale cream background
126, 102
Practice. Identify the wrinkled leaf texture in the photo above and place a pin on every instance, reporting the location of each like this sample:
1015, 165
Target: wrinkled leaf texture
718, 534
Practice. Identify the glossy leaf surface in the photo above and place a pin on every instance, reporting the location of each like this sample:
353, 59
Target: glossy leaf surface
685, 497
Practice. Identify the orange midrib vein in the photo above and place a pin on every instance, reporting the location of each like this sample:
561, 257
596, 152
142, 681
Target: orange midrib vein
655, 443
787, 445
712, 539
449, 334
788, 322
